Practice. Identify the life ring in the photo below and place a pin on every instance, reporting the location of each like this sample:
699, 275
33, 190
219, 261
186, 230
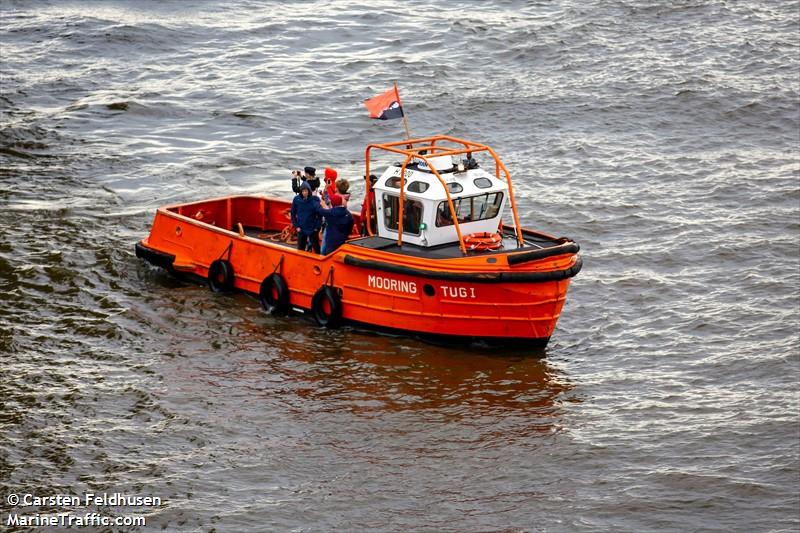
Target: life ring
274, 294
483, 241
220, 276
326, 306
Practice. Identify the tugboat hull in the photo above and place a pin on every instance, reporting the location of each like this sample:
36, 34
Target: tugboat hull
511, 295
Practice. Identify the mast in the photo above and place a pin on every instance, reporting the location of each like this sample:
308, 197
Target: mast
405, 118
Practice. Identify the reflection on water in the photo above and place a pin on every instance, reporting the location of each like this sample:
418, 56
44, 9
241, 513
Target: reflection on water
351, 369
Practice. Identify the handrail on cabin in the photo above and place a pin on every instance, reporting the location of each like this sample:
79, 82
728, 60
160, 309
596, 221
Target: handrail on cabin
423, 148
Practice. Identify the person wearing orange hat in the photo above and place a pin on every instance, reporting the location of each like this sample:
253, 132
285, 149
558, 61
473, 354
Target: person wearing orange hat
330, 184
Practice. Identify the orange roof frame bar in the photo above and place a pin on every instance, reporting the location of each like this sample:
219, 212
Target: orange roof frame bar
413, 148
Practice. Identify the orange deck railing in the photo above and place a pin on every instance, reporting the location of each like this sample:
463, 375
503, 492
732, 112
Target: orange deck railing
423, 148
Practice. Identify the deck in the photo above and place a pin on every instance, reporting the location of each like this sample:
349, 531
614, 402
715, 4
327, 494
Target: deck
443, 251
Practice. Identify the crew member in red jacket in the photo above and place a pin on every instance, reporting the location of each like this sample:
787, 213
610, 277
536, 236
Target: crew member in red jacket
373, 179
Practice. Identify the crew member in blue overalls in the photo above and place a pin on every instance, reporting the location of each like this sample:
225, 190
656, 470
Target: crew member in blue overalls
339, 223
306, 218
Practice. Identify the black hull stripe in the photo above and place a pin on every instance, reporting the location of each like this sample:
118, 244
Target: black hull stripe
471, 277
165, 261
534, 346
566, 248
154, 257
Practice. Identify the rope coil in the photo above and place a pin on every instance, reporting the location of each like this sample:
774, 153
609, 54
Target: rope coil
289, 233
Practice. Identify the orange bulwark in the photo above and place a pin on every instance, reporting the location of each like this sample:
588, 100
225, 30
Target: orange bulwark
412, 273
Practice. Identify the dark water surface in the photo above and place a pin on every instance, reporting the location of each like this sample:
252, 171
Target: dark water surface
663, 136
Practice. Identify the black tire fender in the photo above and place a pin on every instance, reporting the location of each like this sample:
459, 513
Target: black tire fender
274, 294
220, 276
326, 306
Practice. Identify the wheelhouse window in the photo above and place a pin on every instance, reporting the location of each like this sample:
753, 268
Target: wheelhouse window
470, 209
454, 187
482, 183
394, 182
418, 187
412, 214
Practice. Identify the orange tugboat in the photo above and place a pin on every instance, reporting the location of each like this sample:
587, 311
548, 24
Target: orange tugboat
437, 259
